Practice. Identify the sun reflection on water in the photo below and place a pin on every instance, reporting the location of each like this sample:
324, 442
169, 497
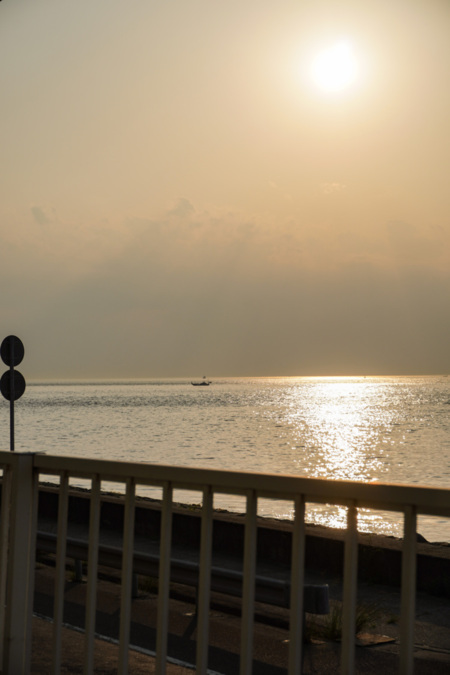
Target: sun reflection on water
334, 425
341, 428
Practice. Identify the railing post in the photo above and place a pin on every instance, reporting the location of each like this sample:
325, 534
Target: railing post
296, 627
408, 601
165, 545
60, 570
350, 592
92, 572
248, 585
204, 587
4, 539
21, 561
127, 576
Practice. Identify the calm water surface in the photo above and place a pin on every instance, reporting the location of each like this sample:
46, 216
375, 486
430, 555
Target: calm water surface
366, 429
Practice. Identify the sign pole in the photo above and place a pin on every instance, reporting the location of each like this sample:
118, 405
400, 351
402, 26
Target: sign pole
11, 400
12, 383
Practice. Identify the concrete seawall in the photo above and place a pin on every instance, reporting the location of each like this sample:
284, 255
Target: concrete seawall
379, 556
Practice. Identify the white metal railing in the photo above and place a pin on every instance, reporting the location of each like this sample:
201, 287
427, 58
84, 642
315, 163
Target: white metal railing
18, 542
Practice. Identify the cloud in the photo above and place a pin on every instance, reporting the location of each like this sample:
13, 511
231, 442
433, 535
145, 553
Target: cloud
182, 209
331, 188
226, 293
39, 215
279, 191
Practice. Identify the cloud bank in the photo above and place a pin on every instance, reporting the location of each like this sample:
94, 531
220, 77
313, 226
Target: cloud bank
200, 291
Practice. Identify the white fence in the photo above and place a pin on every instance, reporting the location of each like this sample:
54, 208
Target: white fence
21, 473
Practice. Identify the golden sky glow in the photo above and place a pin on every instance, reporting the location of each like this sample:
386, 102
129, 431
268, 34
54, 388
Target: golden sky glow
181, 194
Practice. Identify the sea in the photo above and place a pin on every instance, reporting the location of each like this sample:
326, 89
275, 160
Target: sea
388, 429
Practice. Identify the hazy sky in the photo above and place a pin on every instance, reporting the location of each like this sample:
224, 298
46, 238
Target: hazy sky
179, 197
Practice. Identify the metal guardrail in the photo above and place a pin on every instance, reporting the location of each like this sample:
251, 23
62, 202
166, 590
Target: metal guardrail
18, 547
223, 580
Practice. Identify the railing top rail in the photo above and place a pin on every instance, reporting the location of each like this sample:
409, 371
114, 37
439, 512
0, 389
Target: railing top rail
427, 500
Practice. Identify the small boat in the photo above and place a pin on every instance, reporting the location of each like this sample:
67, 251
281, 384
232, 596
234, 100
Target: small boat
203, 383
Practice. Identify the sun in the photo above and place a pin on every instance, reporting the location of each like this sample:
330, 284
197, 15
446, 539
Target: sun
335, 68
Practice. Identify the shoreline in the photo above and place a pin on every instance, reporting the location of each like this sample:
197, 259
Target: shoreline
379, 556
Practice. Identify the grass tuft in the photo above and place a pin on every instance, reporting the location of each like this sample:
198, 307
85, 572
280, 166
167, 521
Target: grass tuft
330, 628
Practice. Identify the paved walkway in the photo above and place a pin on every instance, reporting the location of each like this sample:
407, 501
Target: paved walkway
373, 654
106, 655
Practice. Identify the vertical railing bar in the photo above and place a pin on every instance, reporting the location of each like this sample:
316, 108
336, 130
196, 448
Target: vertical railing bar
248, 585
32, 565
4, 544
297, 583
350, 592
204, 582
164, 580
92, 571
127, 576
408, 593
60, 570
17, 635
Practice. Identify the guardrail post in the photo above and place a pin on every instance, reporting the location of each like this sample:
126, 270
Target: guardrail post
78, 570
21, 562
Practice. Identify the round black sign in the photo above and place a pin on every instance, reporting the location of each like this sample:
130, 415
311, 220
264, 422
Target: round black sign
6, 383
12, 350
